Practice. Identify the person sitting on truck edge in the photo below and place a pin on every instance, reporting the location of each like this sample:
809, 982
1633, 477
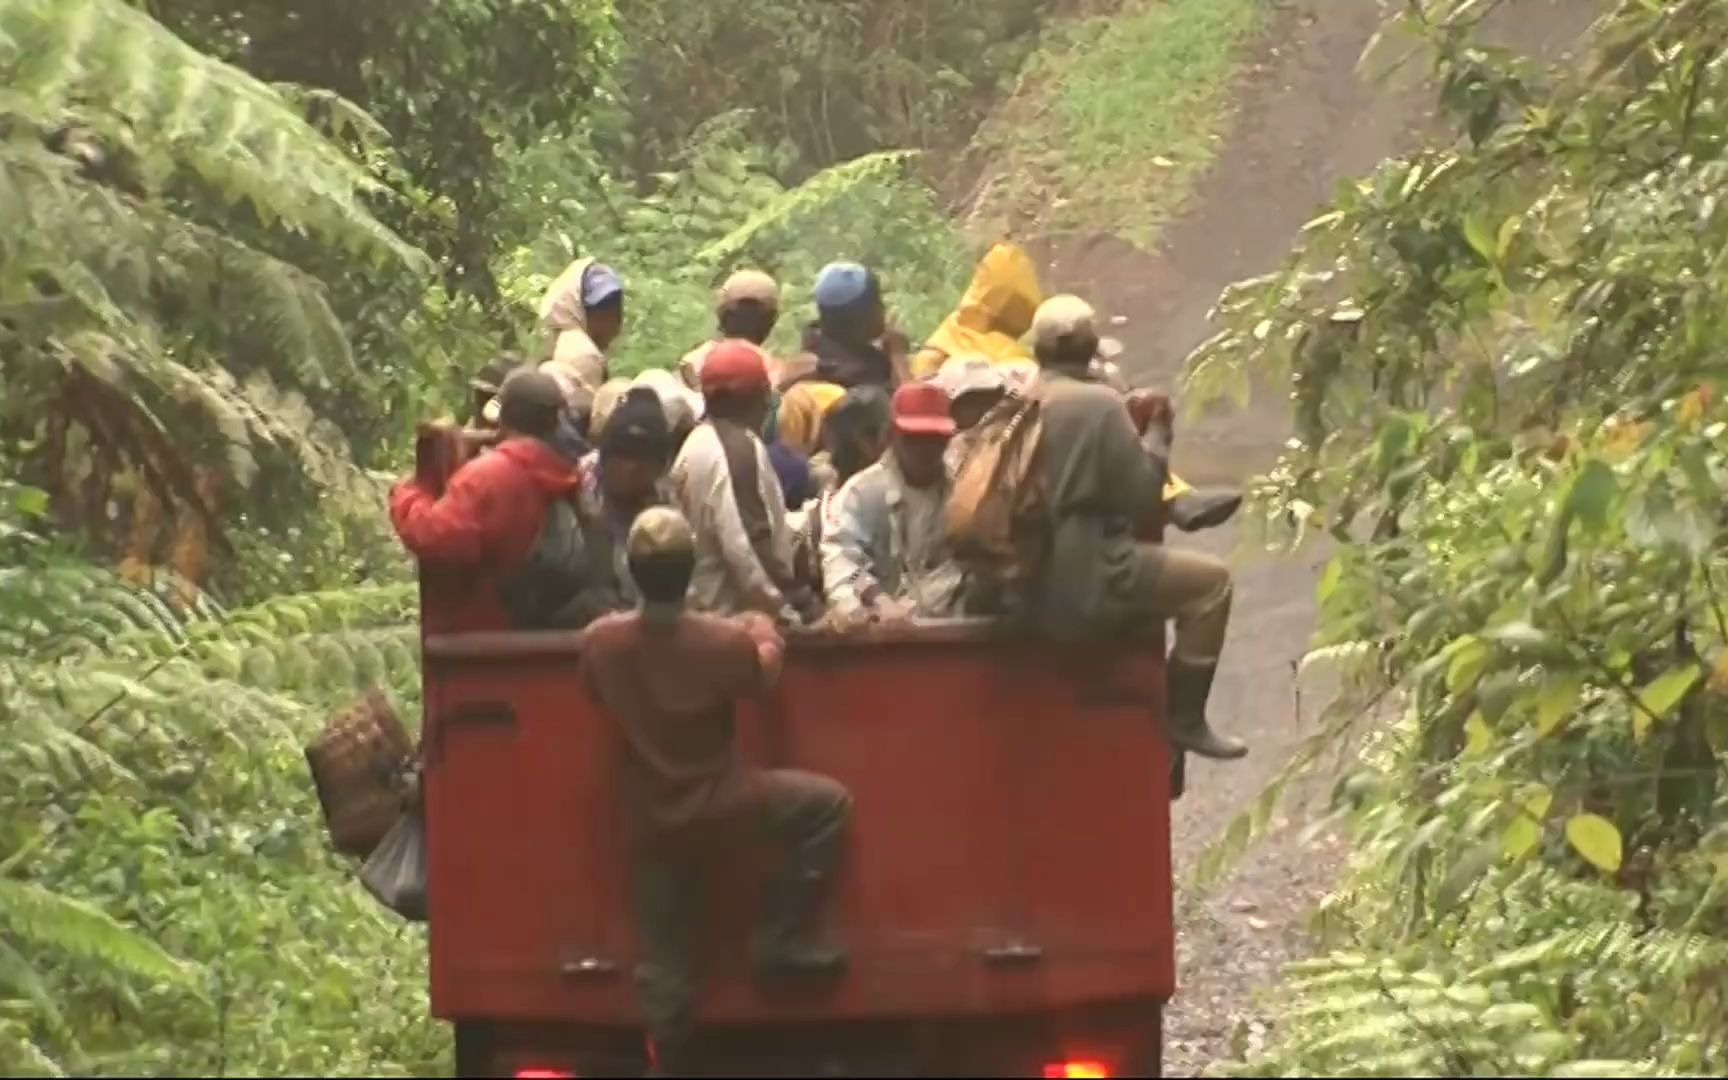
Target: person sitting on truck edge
842, 345
1100, 480
726, 485
887, 554
747, 309
670, 680
854, 437
583, 312
489, 516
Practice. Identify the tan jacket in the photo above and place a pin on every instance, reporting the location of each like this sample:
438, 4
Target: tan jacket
730, 576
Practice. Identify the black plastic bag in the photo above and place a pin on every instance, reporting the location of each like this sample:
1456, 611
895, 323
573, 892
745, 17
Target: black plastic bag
395, 873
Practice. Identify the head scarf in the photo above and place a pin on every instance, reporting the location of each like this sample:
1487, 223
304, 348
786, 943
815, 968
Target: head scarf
561, 308
993, 316
605, 400
682, 404
637, 427
566, 302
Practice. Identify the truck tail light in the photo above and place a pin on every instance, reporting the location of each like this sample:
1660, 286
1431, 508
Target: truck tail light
544, 1074
1076, 1070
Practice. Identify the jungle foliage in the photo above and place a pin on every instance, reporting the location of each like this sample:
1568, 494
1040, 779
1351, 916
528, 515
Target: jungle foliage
244, 247
1507, 355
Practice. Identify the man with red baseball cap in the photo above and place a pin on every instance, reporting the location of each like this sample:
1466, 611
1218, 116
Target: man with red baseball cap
887, 555
726, 486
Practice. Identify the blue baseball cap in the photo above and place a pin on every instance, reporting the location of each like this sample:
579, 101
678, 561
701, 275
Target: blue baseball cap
842, 284
600, 283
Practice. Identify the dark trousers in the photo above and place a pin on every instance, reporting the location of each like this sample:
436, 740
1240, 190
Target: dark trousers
803, 812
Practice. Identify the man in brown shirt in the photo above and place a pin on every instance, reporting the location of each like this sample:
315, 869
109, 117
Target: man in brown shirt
670, 680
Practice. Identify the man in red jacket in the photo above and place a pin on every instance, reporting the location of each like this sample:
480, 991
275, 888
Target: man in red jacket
483, 526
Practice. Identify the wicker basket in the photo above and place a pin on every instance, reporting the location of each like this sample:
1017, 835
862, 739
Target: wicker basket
360, 767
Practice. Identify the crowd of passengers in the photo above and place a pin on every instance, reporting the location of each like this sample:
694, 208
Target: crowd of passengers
684, 516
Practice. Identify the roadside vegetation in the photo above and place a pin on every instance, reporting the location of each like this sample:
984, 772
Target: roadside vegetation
1506, 352
1115, 119
245, 245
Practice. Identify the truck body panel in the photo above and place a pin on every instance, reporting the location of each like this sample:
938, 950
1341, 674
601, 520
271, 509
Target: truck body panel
1009, 856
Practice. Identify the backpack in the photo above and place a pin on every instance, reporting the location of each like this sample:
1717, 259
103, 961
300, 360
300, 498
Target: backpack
997, 495
552, 573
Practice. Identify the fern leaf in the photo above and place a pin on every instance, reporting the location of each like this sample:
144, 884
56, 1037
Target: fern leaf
19, 977
44, 919
236, 134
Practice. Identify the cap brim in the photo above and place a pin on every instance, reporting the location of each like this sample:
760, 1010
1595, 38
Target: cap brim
925, 425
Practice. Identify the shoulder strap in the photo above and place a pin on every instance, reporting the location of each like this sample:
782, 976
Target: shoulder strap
742, 466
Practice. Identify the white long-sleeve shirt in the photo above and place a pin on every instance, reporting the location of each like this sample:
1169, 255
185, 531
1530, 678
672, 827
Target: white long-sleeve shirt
729, 576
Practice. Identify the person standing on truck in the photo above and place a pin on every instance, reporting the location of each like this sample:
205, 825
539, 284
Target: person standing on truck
844, 345
728, 489
748, 309
886, 555
670, 680
488, 517
993, 316
625, 477
854, 437
583, 311
1100, 480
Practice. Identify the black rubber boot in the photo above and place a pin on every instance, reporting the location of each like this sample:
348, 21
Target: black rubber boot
786, 940
1190, 686
1192, 511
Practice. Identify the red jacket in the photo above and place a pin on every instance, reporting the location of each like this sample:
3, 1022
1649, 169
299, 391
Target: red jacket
485, 524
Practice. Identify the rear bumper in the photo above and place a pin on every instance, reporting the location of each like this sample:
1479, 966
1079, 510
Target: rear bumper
1124, 1039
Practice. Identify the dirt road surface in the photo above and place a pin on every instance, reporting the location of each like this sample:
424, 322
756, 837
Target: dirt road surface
1304, 121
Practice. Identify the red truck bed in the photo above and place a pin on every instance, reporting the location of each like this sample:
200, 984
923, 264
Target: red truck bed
1009, 860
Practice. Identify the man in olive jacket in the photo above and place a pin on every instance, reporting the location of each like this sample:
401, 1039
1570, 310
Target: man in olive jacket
1100, 479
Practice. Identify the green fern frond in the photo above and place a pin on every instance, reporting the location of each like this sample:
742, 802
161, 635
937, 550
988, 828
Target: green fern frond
234, 133
17, 976
807, 199
19, 1054
46, 920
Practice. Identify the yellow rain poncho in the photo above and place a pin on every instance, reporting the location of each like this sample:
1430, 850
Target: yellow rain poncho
993, 316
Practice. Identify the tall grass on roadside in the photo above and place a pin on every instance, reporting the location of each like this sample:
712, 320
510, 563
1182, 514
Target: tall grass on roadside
1118, 115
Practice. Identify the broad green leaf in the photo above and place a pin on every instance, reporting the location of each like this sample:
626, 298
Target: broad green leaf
1525, 830
1468, 660
29, 501
1592, 494
1556, 701
1481, 235
1520, 838
1478, 736
1664, 694
1596, 839
1508, 230
1329, 580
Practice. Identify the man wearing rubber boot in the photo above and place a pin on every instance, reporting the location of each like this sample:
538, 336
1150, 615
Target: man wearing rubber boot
1099, 480
669, 680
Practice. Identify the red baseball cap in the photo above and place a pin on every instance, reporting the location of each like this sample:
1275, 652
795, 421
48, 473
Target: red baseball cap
921, 408
733, 367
